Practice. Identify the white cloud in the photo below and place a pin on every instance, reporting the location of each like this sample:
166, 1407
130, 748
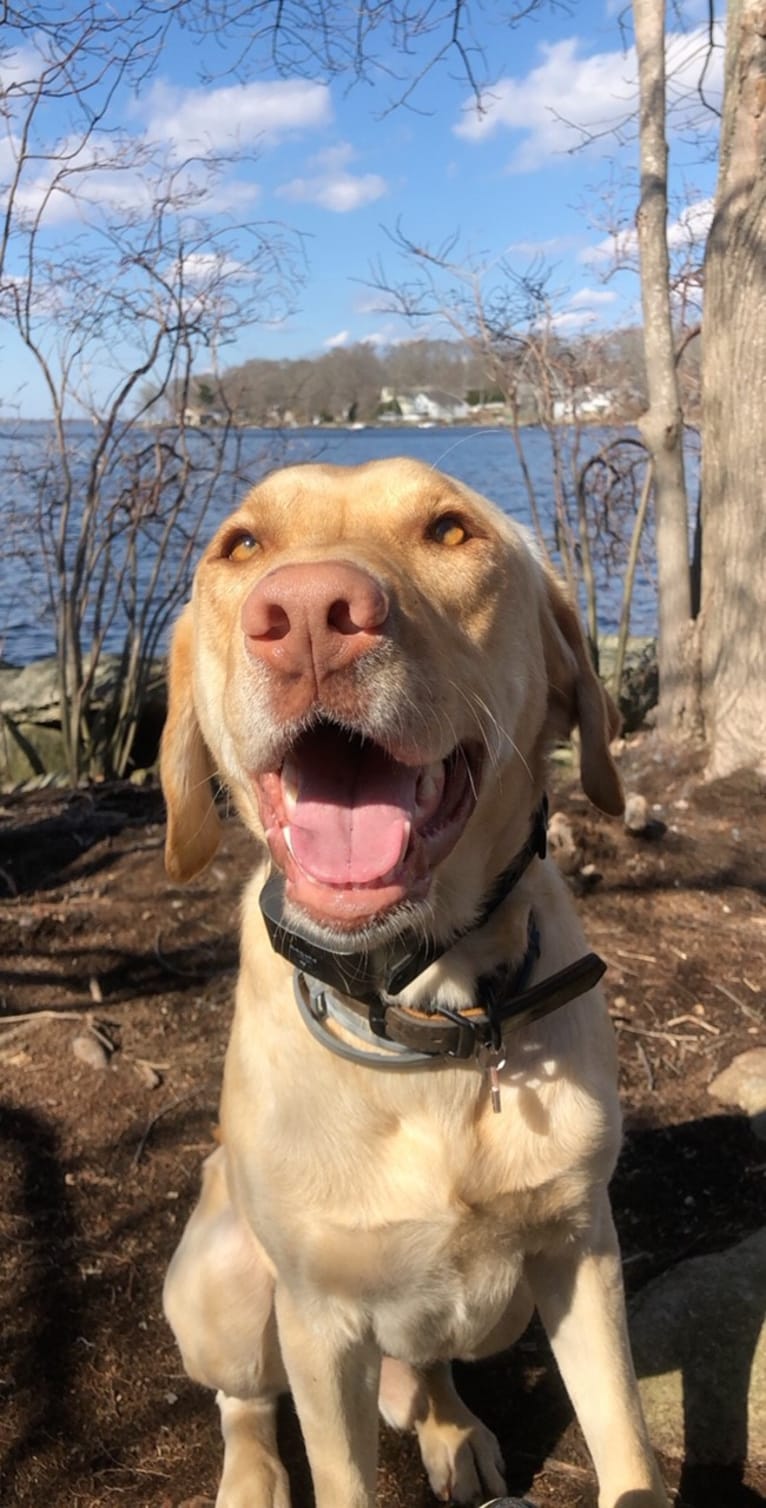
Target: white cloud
584, 308
331, 186
20, 65
80, 192
334, 341
568, 98
572, 319
617, 250
692, 226
549, 247
212, 267
237, 115
564, 90
689, 230
388, 335
76, 181
340, 193
371, 303
334, 159
592, 298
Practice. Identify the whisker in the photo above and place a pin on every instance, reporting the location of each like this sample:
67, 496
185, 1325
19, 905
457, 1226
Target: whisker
463, 440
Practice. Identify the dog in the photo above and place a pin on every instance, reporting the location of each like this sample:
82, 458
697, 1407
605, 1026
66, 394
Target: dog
419, 1115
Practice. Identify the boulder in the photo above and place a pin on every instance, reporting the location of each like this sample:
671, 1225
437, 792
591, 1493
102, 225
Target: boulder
700, 1351
743, 1084
639, 686
31, 742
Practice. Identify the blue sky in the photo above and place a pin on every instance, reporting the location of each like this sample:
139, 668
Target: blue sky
336, 162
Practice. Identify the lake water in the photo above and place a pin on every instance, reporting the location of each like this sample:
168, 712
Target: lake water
483, 457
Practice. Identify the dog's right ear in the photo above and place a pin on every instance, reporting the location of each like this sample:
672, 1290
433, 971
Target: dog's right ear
576, 696
193, 827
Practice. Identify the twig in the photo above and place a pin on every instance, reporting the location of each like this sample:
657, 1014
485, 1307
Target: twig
696, 1021
646, 1031
643, 1059
48, 1015
150, 1125
102, 1036
28, 1018
748, 1010
643, 957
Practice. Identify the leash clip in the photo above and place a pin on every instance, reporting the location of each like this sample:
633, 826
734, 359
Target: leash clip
492, 1059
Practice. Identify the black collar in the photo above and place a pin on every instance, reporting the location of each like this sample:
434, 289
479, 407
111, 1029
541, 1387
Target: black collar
505, 999
389, 968
415, 1037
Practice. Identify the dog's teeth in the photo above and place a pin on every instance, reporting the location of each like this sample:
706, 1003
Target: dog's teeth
430, 788
289, 787
288, 837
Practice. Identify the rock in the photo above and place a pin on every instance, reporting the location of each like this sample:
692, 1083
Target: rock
149, 1075
563, 846
638, 819
743, 1084
88, 1049
639, 687
636, 813
699, 1346
31, 740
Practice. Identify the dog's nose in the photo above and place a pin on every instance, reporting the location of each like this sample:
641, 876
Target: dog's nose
314, 616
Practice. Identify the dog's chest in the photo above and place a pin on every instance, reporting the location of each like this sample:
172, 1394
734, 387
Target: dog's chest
433, 1243
422, 1220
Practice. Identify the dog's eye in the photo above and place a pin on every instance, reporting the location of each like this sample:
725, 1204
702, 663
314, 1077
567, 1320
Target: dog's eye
241, 547
448, 530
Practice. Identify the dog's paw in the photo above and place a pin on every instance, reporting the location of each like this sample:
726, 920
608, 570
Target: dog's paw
254, 1494
263, 1484
462, 1459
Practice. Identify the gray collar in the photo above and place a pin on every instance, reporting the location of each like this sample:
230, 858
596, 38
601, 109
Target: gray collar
320, 1007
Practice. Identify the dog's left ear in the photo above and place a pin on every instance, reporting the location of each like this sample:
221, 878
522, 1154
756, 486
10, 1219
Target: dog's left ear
576, 696
186, 767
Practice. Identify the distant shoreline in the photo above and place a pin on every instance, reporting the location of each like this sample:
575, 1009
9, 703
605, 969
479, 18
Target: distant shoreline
480, 420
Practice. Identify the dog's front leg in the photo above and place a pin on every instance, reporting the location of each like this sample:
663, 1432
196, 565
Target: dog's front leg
579, 1294
334, 1371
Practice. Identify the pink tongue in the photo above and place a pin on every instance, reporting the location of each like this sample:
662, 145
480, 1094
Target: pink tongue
351, 823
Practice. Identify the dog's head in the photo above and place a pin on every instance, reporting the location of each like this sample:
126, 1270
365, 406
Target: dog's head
374, 661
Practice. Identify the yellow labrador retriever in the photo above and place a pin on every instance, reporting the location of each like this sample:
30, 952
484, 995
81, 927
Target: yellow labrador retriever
419, 1109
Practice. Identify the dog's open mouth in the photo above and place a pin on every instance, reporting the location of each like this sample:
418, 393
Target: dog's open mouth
356, 831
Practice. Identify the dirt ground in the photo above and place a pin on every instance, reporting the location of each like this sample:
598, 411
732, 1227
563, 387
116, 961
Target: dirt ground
99, 1166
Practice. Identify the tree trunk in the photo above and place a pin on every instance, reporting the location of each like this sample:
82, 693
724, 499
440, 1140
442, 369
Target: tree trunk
662, 425
733, 400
